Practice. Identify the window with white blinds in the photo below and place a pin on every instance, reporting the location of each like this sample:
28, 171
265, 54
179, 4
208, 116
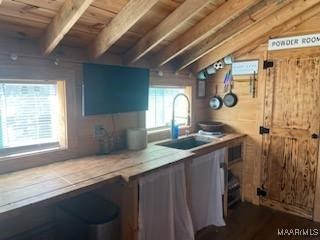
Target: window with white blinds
159, 114
28, 115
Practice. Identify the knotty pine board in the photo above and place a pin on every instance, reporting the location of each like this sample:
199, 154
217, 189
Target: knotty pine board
36, 185
242, 118
38, 14
72, 175
248, 116
291, 154
31, 65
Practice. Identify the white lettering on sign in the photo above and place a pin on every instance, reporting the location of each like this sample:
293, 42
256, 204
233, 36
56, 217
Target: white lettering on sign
311, 40
245, 67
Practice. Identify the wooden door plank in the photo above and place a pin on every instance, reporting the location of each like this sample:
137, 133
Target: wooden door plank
301, 133
239, 24
266, 141
257, 30
316, 210
175, 20
131, 13
67, 16
290, 155
216, 20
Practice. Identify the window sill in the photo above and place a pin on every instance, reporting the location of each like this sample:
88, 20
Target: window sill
162, 133
158, 130
31, 153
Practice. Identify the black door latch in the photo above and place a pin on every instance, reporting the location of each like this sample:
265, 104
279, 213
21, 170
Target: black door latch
267, 64
263, 130
261, 192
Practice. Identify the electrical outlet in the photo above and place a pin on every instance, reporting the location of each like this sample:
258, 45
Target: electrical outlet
99, 131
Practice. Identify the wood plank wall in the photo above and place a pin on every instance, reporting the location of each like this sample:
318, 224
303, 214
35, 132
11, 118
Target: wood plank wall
243, 118
247, 116
31, 65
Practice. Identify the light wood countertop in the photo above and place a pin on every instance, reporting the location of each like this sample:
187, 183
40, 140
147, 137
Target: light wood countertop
46, 184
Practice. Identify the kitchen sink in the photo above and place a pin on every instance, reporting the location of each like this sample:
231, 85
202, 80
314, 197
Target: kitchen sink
186, 143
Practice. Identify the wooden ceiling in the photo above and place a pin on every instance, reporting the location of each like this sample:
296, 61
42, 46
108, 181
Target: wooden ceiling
183, 32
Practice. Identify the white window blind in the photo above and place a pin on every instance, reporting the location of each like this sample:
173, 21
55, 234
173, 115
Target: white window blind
159, 113
28, 114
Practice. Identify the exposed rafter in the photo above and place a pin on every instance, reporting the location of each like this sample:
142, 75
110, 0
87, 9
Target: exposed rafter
131, 13
253, 33
239, 24
217, 19
287, 26
175, 20
67, 16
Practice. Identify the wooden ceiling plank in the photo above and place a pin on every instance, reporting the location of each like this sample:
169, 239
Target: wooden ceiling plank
131, 13
217, 19
67, 16
239, 24
253, 33
170, 24
287, 26
49, 5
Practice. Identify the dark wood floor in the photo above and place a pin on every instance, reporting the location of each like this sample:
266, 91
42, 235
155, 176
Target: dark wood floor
249, 222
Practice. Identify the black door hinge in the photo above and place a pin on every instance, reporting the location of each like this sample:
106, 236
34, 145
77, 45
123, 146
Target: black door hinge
267, 64
261, 192
263, 130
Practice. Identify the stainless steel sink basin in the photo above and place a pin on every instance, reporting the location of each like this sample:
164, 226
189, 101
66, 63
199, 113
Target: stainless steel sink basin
186, 143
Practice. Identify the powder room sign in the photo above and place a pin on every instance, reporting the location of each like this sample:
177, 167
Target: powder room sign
311, 40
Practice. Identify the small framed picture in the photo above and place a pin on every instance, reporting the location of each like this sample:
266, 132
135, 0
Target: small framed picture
201, 88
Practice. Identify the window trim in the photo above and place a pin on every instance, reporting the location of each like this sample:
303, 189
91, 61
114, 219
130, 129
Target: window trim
28, 81
62, 143
12, 151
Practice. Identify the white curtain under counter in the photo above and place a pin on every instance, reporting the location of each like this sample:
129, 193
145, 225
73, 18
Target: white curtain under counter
207, 190
163, 209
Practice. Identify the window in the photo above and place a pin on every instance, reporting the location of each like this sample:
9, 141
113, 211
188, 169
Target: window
159, 114
29, 116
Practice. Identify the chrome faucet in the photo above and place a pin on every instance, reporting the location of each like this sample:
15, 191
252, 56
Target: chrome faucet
173, 110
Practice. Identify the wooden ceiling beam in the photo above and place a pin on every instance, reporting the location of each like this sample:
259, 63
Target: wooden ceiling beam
214, 21
260, 28
67, 16
171, 23
131, 13
239, 24
287, 26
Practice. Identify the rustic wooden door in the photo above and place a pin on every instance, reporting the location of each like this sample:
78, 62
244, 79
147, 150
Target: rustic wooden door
292, 115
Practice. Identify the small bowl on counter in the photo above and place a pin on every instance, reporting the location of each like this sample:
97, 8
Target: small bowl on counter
211, 126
